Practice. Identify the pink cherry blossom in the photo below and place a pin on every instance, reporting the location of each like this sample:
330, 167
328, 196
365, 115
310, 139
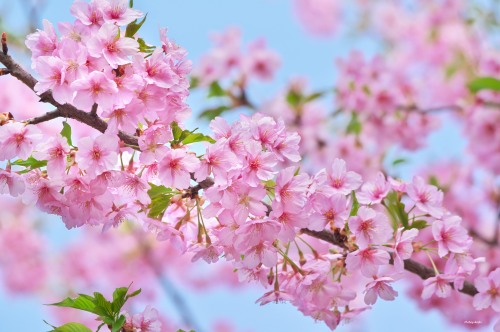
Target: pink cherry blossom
147, 321
118, 12
374, 192
331, 211
96, 87
88, 13
275, 296
438, 285
258, 165
368, 260
17, 140
96, 156
54, 151
43, 42
379, 288
489, 291
218, 160
115, 50
341, 181
11, 183
175, 167
426, 197
260, 62
290, 190
403, 247
450, 235
52, 71
370, 227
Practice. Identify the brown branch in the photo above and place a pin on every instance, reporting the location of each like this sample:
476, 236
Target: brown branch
410, 265
191, 192
66, 110
331, 237
436, 109
5, 48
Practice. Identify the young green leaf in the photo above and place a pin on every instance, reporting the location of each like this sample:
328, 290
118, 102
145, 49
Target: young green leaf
212, 113
116, 326
418, 224
82, 302
66, 132
484, 83
197, 137
354, 126
293, 98
355, 205
31, 163
215, 90
72, 327
134, 26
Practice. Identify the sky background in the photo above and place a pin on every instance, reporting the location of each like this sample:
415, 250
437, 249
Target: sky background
189, 23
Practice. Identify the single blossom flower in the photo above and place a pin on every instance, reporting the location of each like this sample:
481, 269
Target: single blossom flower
379, 288
370, 227
175, 167
116, 50
438, 285
97, 88
450, 235
18, 140
98, 155
341, 181
426, 197
489, 291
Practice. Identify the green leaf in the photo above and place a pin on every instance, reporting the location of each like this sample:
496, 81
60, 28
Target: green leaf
176, 131
31, 162
66, 133
314, 96
134, 293
355, 205
293, 98
194, 82
354, 126
399, 161
418, 224
157, 191
103, 307
131, 3
160, 199
434, 181
134, 26
484, 83
72, 327
119, 299
116, 326
396, 210
144, 47
212, 113
82, 302
197, 137
215, 90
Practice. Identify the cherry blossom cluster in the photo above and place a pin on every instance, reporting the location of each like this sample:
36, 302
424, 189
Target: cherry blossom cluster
227, 59
97, 62
329, 235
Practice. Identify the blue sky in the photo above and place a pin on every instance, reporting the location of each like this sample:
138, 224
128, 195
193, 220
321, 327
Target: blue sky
189, 23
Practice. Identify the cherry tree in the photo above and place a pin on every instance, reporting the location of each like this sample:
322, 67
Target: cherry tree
289, 196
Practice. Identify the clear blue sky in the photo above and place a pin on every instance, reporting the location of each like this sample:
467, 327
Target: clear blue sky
189, 23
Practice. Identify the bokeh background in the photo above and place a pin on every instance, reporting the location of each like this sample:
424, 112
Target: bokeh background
189, 23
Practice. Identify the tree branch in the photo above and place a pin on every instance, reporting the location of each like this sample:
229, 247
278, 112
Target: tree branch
66, 110
410, 265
